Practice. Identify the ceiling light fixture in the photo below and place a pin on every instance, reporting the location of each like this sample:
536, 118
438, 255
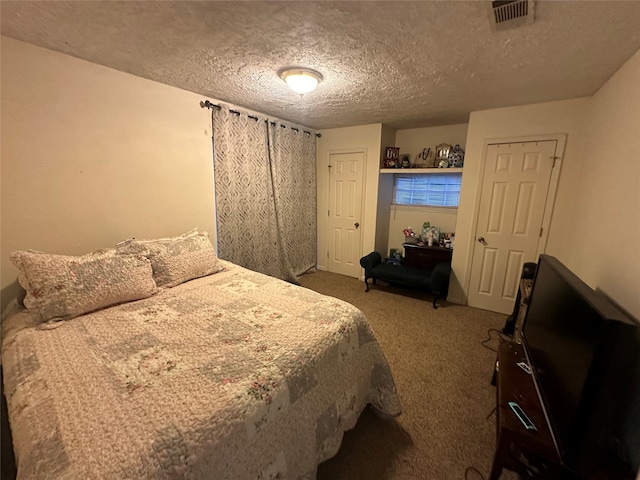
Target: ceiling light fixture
300, 80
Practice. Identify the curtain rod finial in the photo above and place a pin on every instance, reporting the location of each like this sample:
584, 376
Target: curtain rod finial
208, 104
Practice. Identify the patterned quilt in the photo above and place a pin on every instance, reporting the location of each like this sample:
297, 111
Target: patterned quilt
232, 376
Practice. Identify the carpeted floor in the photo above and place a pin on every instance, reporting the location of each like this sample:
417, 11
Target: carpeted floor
443, 376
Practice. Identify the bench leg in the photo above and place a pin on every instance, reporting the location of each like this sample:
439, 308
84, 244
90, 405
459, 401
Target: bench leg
435, 298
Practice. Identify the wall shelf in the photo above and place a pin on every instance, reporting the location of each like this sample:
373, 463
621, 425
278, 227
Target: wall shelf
415, 171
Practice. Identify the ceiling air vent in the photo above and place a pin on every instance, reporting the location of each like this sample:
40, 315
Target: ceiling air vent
506, 14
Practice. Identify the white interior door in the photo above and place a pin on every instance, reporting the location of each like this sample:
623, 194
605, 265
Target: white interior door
512, 206
346, 178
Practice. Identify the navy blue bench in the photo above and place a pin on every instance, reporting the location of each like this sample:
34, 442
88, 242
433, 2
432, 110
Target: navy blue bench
435, 281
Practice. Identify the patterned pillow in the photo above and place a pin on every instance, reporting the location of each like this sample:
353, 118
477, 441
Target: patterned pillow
178, 259
63, 287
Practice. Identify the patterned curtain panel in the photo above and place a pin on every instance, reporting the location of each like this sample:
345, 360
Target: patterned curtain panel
257, 187
246, 225
292, 155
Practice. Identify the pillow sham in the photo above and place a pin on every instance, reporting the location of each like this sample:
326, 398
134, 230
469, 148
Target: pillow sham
178, 259
63, 287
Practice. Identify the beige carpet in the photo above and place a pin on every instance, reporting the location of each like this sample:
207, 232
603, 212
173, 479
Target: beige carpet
443, 376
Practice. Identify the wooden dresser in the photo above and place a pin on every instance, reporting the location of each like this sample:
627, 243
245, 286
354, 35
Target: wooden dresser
425, 257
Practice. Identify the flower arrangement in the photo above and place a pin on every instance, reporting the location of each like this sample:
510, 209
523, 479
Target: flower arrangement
430, 235
410, 236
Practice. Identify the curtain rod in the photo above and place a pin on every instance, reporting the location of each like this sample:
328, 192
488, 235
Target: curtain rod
213, 106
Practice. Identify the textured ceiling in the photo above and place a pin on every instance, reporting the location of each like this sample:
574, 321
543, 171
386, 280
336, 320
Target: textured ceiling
406, 64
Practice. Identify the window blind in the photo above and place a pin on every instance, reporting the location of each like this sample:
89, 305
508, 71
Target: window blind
438, 190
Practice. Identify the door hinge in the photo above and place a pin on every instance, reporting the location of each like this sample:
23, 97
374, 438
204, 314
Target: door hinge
328, 213
327, 253
554, 161
541, 231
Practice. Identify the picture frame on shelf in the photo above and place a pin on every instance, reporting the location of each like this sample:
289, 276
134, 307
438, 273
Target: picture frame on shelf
442, 155
391, 157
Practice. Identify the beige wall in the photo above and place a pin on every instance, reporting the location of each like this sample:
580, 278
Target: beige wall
91, 156
385, 195
604, 233
595, 194
403, 216
413, 141
366, 138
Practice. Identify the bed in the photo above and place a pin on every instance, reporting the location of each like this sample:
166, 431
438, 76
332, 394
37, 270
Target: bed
231, 375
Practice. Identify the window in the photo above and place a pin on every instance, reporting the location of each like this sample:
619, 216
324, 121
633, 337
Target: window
436, 190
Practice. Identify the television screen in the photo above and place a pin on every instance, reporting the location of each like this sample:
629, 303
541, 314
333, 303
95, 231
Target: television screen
583, 351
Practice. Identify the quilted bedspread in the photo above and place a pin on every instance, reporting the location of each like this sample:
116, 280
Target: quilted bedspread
232, 376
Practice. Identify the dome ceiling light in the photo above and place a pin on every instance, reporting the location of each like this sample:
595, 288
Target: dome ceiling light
300, 80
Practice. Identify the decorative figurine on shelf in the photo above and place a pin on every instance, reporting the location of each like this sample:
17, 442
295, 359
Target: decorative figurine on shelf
448, 240
436, 235
456, 157
391, 157
405, 162
430, 238
424, 159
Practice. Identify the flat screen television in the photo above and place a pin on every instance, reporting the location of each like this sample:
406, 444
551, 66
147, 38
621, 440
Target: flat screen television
584, 353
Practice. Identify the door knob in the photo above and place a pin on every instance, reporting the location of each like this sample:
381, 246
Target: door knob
356, 224
481, 240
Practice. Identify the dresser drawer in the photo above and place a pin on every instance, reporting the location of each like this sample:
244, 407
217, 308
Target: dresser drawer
425, 257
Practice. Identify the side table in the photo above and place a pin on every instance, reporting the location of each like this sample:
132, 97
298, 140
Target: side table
517, 448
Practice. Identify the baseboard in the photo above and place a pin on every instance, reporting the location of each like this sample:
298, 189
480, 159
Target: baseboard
321, 267
456, 300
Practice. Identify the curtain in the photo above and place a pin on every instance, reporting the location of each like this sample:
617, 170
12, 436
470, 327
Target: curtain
292, 159
265, 184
